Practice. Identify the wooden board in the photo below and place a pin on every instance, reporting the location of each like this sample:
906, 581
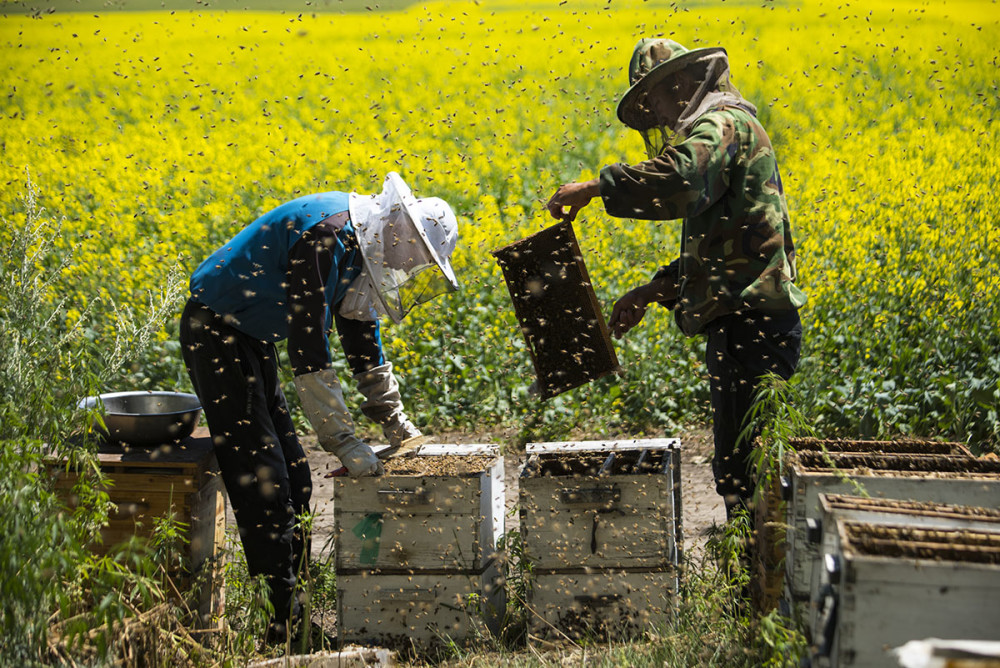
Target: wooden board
559, 314
610, 445
600, 606
423, 610
146, 484
428, 522
896, 446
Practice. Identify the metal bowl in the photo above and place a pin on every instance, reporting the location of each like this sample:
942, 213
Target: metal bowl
147, 418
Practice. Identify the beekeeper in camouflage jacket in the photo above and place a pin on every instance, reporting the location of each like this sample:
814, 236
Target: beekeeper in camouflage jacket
712, 165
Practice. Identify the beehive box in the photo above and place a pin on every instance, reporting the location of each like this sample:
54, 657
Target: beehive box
594, 504
557, 309
440, 510
954, 479
768, 577
601, 528
601, 604
415, 549
892, 584
419, 610
915, 514
150, 483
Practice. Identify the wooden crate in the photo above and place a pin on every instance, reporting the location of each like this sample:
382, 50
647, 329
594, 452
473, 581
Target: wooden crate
422, 522
892, 584
600, 605
576, 515
415, 549
954, 479
149, 483
557, 309
422, 610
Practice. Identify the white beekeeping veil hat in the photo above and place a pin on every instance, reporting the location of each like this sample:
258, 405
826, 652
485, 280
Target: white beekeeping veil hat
407, 245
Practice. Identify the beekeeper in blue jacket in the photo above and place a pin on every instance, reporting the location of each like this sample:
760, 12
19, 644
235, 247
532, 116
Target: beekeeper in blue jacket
319, 261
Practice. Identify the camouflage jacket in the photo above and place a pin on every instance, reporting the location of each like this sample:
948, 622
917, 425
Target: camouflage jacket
736, 247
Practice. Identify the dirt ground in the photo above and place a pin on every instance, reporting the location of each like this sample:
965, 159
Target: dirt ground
701, 506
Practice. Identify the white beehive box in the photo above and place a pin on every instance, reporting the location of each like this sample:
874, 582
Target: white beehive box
953, 479
408, 521
918, 515
401, 610
601, 605
891, 584
415, 549
576, 515
601, 528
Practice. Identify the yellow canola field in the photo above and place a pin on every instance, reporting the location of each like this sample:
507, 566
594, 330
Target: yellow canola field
157, 135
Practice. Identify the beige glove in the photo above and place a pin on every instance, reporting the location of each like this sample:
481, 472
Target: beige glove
323, 402
383, 404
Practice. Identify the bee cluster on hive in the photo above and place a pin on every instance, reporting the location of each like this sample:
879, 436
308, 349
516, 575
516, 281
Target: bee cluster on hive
601, 529
416, 549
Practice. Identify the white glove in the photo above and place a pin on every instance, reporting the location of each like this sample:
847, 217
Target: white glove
323, 402
383, 404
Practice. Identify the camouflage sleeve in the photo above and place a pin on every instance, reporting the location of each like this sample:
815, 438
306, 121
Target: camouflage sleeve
682, 181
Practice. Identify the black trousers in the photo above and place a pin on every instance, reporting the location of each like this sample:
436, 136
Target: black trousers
263, 466
740, 349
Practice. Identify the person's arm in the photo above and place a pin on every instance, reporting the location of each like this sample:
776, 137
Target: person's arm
573, 195
682, 181
311, 260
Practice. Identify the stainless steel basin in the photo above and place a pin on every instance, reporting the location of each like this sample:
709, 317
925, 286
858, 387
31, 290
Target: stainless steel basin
147, 418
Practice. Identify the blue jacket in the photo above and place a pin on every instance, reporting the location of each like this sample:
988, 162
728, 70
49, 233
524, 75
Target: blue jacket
248, 281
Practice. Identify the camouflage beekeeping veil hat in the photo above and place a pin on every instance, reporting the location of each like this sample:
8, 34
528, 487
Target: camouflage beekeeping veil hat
407, 244
653, 60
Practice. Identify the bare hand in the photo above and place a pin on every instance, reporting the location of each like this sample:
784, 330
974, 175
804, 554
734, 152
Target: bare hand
628, 312
572, 195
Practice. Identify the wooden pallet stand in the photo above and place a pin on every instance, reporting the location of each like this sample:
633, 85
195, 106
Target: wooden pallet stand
415, 549
149, 483
602, 533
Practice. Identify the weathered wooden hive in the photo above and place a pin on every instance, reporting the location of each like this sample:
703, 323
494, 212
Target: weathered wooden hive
179, 479
885, 585
914, 514
941, 478
601, 524
415, 549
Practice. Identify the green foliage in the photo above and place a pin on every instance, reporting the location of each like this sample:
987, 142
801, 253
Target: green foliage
58, 598
773, 420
